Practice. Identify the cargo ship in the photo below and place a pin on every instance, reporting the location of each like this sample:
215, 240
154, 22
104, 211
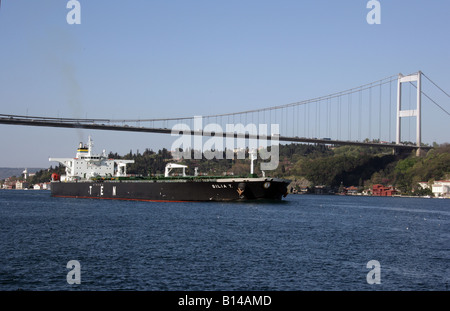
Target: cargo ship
96, 176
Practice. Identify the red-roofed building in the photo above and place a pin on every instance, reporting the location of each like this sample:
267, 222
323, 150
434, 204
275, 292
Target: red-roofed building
382, 191
352, 190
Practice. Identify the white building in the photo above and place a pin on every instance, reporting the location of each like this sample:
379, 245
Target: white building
42, 186
441, 188
424, 184
21, 185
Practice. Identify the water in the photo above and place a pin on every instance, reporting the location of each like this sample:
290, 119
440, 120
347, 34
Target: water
305, 243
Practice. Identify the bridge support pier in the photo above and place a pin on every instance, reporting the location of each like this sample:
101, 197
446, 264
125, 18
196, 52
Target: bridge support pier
410, 113
420, 152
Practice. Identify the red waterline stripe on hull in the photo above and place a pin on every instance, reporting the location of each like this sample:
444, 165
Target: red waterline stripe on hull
122, 199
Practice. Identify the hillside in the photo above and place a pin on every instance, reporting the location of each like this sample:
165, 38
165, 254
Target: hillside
363, 167
6, 172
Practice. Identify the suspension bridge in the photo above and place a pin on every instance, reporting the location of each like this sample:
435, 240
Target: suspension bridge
366, 115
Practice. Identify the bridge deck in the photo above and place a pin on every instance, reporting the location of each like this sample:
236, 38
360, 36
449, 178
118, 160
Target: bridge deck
96, 125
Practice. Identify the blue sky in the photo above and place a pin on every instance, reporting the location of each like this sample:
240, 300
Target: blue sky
146, 59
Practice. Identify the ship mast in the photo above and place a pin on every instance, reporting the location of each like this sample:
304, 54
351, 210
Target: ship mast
90, 145
252, 158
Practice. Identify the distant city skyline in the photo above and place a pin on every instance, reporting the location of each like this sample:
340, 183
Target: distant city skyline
155, 59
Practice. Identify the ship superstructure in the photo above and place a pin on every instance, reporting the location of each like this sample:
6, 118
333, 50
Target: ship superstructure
87, 165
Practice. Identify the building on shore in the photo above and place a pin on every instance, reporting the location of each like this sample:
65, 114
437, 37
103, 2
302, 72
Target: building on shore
8, 186
440, 188
352, 190
21, 185
42, 186
383, 191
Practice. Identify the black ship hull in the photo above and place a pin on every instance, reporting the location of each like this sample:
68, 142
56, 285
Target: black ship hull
175, 190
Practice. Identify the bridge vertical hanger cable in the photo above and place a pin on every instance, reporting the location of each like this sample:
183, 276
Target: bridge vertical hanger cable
257, 116
293, 121
340, 117
349, 117
338, 125
337, 117
390, 104
315, 120
307, 120
379, 117
370, 112
328, 118
359, 115
287, 121
319, 117
281, 118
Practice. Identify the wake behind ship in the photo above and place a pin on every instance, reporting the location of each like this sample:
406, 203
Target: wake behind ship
91, 175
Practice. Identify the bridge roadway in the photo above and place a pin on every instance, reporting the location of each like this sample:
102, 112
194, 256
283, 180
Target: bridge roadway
91, 124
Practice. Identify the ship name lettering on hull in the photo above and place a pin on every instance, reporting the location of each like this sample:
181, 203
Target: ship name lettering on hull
221, 186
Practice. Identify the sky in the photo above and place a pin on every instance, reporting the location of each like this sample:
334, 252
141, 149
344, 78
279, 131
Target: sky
172, 58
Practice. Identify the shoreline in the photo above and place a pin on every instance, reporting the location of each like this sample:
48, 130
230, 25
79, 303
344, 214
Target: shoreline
375, 196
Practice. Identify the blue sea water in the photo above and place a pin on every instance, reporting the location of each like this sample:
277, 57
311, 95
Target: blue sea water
307, 242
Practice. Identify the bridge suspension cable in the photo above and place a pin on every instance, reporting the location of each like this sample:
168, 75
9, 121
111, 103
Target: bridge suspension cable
303, 102
435, 85
433, 101
349, 115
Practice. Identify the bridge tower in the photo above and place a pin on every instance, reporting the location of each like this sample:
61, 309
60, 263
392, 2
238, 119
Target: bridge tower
410, 113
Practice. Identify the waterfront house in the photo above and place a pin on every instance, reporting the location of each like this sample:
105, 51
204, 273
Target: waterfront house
21, 185
441, 188
383, 191
352, 190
